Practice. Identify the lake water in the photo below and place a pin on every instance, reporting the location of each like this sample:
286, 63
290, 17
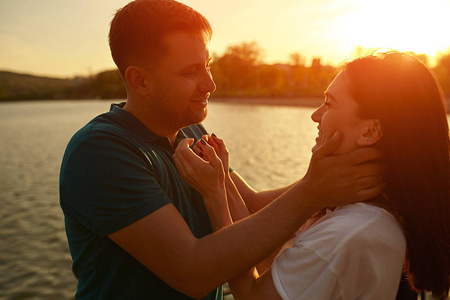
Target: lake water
269, 146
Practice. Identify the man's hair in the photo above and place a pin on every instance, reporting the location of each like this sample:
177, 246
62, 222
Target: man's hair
138, 29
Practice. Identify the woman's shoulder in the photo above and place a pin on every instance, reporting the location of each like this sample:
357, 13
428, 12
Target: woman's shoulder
356, 224
358, 249
359, 216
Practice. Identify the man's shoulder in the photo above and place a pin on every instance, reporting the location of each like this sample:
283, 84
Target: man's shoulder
101, 129
101, 124
100, 139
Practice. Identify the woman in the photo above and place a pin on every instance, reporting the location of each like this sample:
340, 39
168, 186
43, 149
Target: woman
390, 101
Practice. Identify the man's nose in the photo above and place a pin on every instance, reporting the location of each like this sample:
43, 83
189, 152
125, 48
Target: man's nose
207, 84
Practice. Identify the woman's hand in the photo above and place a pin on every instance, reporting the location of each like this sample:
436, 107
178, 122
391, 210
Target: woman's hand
207, 177
219, 147
205, 174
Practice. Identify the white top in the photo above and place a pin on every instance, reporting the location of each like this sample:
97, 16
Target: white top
354, 252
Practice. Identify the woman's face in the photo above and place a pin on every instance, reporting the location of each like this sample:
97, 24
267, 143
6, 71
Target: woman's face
339, 113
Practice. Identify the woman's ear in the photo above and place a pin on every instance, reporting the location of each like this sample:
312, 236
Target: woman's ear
370, 133
138, 80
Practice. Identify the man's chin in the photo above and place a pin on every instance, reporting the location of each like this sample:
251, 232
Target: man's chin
203, 116
199, 117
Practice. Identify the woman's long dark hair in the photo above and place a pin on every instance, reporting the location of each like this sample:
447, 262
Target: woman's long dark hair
400, 91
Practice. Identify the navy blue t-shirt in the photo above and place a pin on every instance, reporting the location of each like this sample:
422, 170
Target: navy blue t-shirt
114, 172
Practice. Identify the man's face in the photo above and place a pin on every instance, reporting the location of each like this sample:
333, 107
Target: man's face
182, 82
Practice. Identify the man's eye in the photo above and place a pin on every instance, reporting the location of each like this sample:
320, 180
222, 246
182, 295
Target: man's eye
191, 71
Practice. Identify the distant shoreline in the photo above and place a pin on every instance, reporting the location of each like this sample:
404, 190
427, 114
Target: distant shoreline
279, 101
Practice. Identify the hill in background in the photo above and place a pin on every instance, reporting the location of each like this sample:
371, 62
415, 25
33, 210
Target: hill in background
104, 85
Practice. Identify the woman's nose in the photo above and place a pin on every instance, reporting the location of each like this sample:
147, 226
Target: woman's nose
317, 115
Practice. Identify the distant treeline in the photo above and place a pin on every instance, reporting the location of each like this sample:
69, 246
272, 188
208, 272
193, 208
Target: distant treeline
239, 72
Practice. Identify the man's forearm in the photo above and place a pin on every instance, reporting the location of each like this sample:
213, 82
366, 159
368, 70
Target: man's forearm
249, 241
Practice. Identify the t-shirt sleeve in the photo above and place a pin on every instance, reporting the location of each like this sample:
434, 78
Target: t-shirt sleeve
300, 273
343, 258
107, 184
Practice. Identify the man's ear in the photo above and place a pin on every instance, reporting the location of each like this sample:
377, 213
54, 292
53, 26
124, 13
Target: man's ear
138, 80
370, 132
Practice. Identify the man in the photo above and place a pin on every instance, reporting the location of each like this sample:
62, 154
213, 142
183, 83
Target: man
136, 230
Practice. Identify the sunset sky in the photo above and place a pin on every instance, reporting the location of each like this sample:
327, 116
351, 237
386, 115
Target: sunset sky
65, 38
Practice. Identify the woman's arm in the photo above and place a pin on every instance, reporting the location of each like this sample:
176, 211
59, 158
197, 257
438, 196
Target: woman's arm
237, 207
252, 199
236, 204
208, 178
255, 200
212, 147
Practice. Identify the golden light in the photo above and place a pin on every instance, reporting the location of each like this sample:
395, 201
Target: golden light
418, 26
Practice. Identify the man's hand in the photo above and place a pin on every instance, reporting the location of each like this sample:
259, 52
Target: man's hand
335, 180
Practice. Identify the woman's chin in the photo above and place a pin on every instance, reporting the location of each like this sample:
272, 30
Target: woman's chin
318, 141
315, 147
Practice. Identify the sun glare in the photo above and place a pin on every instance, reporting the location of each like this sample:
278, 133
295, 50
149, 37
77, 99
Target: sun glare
417, 26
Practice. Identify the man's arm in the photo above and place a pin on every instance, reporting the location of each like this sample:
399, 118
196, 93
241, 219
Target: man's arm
163, 243
251, 286
330, 181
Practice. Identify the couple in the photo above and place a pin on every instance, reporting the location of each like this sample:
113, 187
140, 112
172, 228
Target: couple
137, 230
